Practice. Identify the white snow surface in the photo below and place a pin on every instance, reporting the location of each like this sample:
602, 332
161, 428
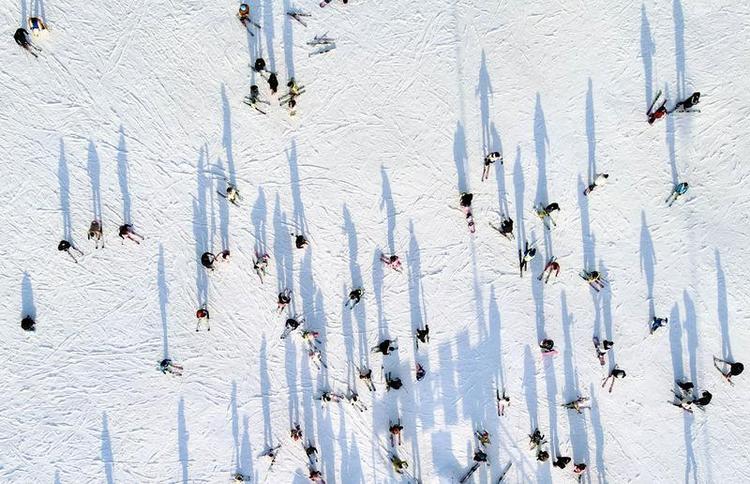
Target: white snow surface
134, 111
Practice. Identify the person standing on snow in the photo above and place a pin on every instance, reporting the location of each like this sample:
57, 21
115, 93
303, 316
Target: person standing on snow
599, 180
423, 335
22, 39
203, 318
385, 347
126, 232
65, 246
167, 366
28, 323
207, 260
735, 368
355, 296
688, 103
95, 232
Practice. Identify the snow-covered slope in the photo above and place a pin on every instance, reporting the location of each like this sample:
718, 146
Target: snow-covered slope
134, 111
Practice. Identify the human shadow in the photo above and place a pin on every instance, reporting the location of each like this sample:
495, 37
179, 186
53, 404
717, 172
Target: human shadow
722, 307
502, 195
288, 40
282, 249
290, 368
259, 217
245, 465
386, 201
227, 135
484, 90
265, 385
107, 458
200, 228
268, 31
591, 131
671, 147
414, 274
530, 391
596, 424
648, 262
63, 177
122, 176
448, 384
94, 170
182, 440
679, 47
37, 9
576, 423
541, 143
28, 308
163, 300
443, 458
235, 425
675, 343
460, 157
519, 187
648, 48
691, 333
355, 275
24, 14
223, 209
300, 222
495, 339
254, 46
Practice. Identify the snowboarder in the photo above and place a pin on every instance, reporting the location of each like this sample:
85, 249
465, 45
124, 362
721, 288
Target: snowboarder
300, 241
423, 334
126, 231
22, 39
291, 324
594, 278
203, 318
679, 190
552, 266
547, 346
526, 257
167, 366
273, 82
399, 465
578, 404
561, 462
385, 347
502, 402
483, 437
260, 65
735, 368
296, 432
207, 260
395, 430
354, 297
394, 383
488, 161
65, 246
545, 212
688, 103
613, 375
28, 323
602, 348
365, 374
285, 297
391, 261
95, 232
599, 180
465, 202
657, 323
420, 372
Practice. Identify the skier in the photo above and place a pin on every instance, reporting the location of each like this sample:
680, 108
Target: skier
502, 402
285, 297
465, 202
311, 452
659, 113
296, 432
95, 232
316, 356
22, 38
223, 256
273, 82
488, 161
394, 383
290, 325
420, 372
244, 15
260, 65
594, 278
28, 323
260, 265
365, 374
599, 180
688, 103
272, 453
423, 335
578, 404
353, 398
207, 260
528, 254
547, 346
657, 323
542, 455
399, 465
703, 400
578, 470
354, 297
327, 397
300, 241
65, 246
545, 213
391, 261
315, 476
506, 227
484, 438
480, 456
126, 231
294, 91
238, 478
603, 348
385, 347
311, 337
203, 318
614, 374
536, 440
233, 195
166, 366
253, 99
735, 368
552, 266
679, 190
561, 462
395, 430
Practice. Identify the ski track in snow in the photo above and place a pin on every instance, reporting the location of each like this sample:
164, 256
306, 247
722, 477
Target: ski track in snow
139, 117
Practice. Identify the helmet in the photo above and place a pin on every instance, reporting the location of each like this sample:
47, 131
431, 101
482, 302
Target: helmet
244, 8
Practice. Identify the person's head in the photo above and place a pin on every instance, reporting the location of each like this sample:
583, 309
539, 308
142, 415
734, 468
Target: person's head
618, 373
28, 324
542, 455
244, 9
608, 344
736, 368
605, 175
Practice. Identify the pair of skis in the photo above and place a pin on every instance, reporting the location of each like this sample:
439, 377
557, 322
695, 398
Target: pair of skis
253, 103
475, 466
545, 215
502, 402
298, 16
285, 98
323, 50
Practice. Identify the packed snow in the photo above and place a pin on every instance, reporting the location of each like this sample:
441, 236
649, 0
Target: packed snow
133, 113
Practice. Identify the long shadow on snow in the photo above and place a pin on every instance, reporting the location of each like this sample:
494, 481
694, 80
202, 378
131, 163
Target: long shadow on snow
596, 424
294, 180
259, 217
519, 187
107, 458
648, 47
288, 40
253, 43
484, 90
227, 135
460, 157
282, 250
24, 14
63, 177
245, 464
591, 131
588, 241
606, 308
235, 426
541, 142
200, 229
269, 33
351, 463
691, 332
502, 196
355, 274
94, 170
495, 339
386, 201
648, 262
223, 208
722, 308
265, 385
28, 308
576, 423
671, 148
37, 9
163, 300
679, 48
122, 177
182, 440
